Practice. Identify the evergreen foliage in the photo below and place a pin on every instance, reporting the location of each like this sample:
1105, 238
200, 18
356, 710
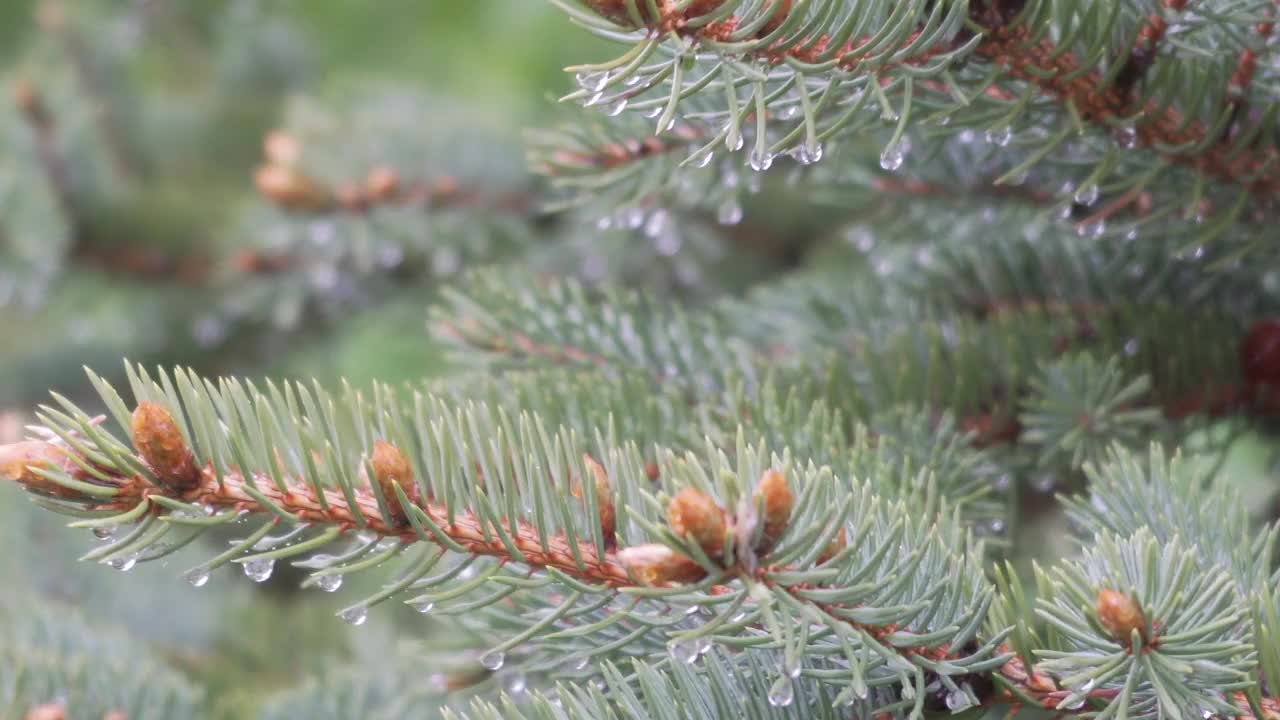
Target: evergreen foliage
758, 390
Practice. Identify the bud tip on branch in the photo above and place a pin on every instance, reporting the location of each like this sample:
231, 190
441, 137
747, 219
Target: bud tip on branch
1120, 614
162, 446
775, 500
391, 468
695, 515
656, 564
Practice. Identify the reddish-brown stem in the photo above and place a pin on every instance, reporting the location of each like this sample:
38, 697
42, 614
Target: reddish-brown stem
300, 500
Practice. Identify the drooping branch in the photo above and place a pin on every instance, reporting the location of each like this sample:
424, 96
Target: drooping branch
1057, 73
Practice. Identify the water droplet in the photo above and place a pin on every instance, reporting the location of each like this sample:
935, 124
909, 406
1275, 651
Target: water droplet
692, 609
1131, 346
493, 660
1132, 234
1043, 483
809, 155
782, 693
1086, 195
1206, 714
657, 223
653, 113
592, 81
730, 212
685, 651
1073, 702
617, 108
1002, 482
581, 663
966, 136
123, 564
891, 158
604, 222
760, 160
329, 583
704, 159
258, 570
958, 700
1000, 136
789, 112
794, 671
594, 100
198, 577
996, 527
422, 605
668, 243
633, 218
1092, 229
515, 683
105, 532
355, 615
734, 141
1127, 137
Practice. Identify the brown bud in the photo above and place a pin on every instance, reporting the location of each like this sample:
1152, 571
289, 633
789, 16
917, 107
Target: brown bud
391, 468
281, 148
774, 499
838, 543
160, 442
656, 564
27, 99
695, 515
382, 184
291, 189
1120, 615
604, 499
18, 462
48, 711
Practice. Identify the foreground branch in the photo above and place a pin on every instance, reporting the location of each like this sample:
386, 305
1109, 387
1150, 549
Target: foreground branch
23, 462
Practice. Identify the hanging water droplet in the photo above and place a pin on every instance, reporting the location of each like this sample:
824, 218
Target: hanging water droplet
1000, 136
1206, 714
581, 663
685, 651
1087, 195
422, 605
966, 136
703, 645
595, 99
794, 671
604, 222
996, 527
789, 112
329, 583
730, 212
1073, 702
1131, 346
355, 615
760, 160
105, 532
657, 223
515, 683
782, 693
493, 660
618, 108
633, 218
1127, 137
198, 577
1092, 229
957, 700
703, 160
1132, 234
123, 564
734, 141
259, 570
592, 81
891, 157
809, 155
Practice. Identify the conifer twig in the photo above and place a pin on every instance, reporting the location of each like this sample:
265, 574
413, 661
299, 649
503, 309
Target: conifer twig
20, 462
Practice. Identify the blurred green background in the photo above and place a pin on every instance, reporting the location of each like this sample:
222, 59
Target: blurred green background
502, 60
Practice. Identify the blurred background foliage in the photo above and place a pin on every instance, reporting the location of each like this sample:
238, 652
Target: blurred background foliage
500, 60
